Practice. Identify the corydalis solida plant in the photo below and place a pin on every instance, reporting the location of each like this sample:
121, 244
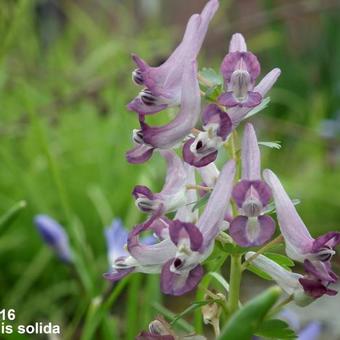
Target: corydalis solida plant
235, 213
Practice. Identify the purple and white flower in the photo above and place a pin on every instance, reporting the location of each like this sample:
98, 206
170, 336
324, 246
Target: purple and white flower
202, 150
183, 245
292, 283
251, 194
54, 236
240, 69
163, 84
173, 193
316, 253
148, 138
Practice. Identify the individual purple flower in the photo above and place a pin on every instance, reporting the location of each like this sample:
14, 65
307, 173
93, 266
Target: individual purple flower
183, 246
290, 282
316, 253
54, 236
173, 193
203, 149
148, 138
116, 236
251, 194
194, 243
240, 69
163, 84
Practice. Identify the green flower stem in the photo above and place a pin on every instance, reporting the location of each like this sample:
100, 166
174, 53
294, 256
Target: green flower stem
235, 283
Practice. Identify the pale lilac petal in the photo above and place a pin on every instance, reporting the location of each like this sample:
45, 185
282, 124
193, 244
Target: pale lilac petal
179, 284
251, 156
118, 274
197, 160
209, 174
253, 99
176, 173
227, 99
287, 280
180, 231
211, 221
139, 154
237, 114
148, 255
297, 237
237, 43
186, 213
267, 82
166, 136
253, 231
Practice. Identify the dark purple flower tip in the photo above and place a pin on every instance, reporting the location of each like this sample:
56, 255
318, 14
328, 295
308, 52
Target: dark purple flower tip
118, 274
320, 270
179, 284
242, 188
329, 240
315, 288
142, 191
183, 230
240, 60
150, 336
252, 232
229, 100
146, 104
139, 154
196, 160
214, 115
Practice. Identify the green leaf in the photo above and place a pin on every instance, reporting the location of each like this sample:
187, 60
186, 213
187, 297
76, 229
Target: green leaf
258, 108
247, 320
212, 93
275, 329
282, 260
211, 76
259, 272
234, 249
273, 145
201, 202
220, 279
9, 217
270, 209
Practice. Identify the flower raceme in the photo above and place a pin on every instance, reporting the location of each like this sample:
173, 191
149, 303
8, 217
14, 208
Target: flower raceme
182, 246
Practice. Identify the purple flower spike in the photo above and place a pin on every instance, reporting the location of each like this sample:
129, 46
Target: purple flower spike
203, 149
54, 236
300, 245
240, 69
173, 194
251, 195
167, 136
163, 84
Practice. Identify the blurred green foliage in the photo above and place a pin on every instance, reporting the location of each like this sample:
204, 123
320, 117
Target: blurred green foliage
64, 129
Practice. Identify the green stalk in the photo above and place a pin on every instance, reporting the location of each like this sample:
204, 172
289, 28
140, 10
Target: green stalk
235, 283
